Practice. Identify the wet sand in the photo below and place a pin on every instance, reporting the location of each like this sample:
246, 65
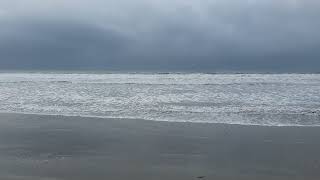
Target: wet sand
38, 147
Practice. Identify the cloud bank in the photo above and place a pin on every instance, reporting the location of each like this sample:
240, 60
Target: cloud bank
206, 35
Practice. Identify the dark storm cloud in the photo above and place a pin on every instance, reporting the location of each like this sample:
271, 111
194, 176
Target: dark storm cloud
253, 35
39, 44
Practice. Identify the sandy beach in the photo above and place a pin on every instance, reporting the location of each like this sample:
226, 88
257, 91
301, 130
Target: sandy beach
40, 147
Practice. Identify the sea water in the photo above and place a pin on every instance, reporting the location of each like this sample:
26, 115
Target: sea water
248, 99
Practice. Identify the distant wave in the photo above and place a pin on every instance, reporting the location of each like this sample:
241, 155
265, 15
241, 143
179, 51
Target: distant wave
16, 82
142, 83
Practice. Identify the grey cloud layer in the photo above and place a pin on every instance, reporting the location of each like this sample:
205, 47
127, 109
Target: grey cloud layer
252, 35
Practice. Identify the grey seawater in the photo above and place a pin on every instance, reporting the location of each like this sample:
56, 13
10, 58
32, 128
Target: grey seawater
249, 99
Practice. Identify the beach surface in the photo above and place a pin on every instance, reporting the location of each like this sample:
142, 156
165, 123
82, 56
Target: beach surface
43, 147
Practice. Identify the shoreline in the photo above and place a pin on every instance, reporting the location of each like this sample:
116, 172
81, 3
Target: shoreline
45, 147
139, 119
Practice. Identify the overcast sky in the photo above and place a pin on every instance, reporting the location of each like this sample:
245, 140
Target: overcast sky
162, 35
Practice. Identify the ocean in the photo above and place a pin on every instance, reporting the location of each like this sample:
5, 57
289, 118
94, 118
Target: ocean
246, 99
